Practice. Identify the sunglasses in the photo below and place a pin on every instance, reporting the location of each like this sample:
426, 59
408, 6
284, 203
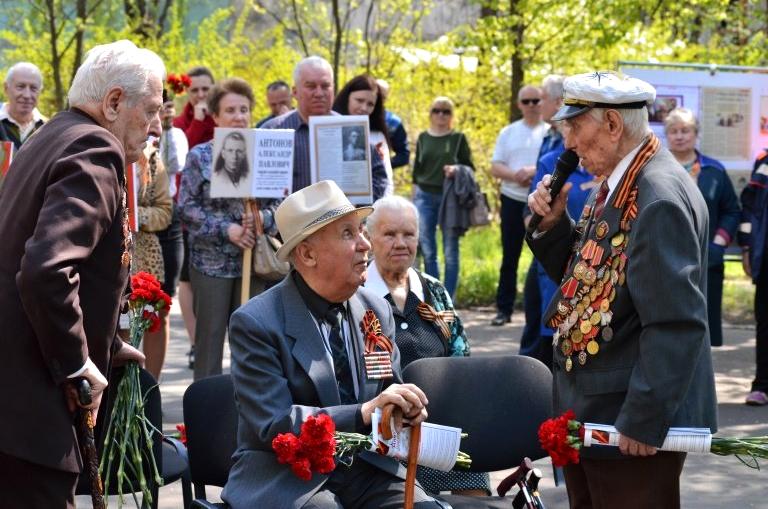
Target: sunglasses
530, 101
440, 111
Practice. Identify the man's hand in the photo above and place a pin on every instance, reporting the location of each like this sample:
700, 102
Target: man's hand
411, 400
631, 447
540, 202
201, 110
98, 384
524, 175
449, 170
127, 354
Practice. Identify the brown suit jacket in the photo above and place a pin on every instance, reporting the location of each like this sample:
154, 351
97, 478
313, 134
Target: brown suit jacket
61, 280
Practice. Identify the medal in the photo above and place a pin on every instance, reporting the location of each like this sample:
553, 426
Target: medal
582, 357
593, 347
566, 347
576, 337
568, 364
585, 326
579, 269
590, 276
601, 230
378, 365
607, 333
617, 240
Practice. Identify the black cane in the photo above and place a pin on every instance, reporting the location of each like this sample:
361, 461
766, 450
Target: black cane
85, 425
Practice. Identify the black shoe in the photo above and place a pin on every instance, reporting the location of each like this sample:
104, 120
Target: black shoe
501, 319
191, 356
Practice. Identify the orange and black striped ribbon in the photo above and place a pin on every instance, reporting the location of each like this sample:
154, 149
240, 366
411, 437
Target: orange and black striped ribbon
439, 318
622, 195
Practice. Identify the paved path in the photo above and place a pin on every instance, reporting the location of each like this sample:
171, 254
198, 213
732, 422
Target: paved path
708, 482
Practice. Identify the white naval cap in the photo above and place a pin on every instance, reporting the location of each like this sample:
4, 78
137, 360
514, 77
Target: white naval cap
603, 89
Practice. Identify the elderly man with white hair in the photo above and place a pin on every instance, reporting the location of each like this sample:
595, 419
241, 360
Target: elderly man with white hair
315, 344
65, 258
631, 345
19, 116
313, 89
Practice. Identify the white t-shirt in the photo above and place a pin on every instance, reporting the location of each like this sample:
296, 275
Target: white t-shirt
518, 146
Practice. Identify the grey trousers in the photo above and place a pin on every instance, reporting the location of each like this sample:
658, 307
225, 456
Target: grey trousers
215, 299
363, 486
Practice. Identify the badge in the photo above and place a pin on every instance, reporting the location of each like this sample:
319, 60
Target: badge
617, 240
582, 357
568, 364
604, 305
579, 269
601, 230
593, 347
590, 276
595, 318
563, 308
566, 347
585, 326
576, 337
378, 365
607, 333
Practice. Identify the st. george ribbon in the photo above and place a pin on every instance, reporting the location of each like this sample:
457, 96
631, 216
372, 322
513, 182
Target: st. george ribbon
566, 164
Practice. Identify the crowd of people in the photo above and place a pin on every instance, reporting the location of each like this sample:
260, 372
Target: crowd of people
629, 262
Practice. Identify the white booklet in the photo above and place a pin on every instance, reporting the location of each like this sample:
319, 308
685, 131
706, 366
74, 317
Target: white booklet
438, 446
678, 439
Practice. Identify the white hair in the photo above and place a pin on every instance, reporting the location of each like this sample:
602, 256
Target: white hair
24, 66
118, 64
681, 116
553, 86
635, 120
391, 203
314, 62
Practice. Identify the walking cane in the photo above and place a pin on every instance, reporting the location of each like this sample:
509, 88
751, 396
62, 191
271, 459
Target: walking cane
413, 450
85, 425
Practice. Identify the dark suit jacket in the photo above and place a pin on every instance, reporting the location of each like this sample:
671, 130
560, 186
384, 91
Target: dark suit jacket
282, 375
61, 280
656, 372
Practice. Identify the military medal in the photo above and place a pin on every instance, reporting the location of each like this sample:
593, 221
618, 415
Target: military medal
601, 230
378, 348
593, 347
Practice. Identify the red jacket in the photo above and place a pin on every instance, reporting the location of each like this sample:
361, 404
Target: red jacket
197, 131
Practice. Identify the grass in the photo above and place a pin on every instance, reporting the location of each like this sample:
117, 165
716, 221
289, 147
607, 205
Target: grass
479, 274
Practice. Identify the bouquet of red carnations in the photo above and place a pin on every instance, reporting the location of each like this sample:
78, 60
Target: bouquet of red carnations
128, 440
563, 437
178, 83
319, 446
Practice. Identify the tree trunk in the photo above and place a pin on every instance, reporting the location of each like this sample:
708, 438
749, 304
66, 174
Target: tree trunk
58, 87
338, 33
518, 73
82, 14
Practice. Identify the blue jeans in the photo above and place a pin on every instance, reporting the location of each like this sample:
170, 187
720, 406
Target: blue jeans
428, 205
512, 235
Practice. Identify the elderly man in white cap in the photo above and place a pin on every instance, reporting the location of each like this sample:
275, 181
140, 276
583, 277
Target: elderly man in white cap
298, 350
631, 341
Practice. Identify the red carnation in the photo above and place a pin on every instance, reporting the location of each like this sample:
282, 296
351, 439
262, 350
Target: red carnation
286, 446
302, 469
562, 437
182, 429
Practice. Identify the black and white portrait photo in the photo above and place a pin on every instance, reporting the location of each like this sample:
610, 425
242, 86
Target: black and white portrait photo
354, 143
232, 158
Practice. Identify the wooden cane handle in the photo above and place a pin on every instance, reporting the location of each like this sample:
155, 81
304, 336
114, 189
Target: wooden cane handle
387, 412
413, 458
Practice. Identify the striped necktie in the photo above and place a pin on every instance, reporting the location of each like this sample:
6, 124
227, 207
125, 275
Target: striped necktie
602, 194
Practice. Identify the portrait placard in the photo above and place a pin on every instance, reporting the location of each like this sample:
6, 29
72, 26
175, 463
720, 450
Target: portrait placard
339, 150
252, 163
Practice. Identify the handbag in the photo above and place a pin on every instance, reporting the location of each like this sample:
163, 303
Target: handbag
265, 262
480, 214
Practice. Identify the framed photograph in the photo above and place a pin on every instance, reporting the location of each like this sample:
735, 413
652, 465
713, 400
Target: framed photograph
662, 106
339, 149
252, 163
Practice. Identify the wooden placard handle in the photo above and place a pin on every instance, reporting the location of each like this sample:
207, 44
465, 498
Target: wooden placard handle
245, 283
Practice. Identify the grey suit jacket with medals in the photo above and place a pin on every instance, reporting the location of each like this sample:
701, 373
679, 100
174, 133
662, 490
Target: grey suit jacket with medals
656, 372
282, 374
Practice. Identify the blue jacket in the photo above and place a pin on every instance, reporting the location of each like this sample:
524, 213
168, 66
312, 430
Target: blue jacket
399, 140
722, 204
754, 218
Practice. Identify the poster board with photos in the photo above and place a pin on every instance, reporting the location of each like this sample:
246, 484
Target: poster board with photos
732, 109
339, 150
6, 157
252, 163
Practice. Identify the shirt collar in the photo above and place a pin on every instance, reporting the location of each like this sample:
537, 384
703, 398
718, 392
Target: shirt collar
377, 285
621, 168
317, 305
4, 114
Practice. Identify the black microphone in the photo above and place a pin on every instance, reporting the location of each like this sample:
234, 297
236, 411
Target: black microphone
566, 164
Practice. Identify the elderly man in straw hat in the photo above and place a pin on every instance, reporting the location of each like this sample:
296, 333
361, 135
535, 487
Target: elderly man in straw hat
631, 340
297, 351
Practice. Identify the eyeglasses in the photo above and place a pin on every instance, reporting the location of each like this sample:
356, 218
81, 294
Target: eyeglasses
440, 111
530, 101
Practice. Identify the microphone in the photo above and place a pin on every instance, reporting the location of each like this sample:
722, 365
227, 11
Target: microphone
566, 164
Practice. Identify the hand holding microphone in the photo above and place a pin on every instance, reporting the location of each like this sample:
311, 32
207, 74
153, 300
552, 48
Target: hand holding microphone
544, 201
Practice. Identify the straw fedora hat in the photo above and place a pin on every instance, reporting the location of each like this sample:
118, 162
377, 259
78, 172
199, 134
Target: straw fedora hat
306, 211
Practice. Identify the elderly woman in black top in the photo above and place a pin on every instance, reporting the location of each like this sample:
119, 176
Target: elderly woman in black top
427, 324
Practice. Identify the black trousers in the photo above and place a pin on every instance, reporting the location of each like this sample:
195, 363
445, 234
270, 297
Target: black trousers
25, 485
512, 235
363, 486
626, 483
760, 383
